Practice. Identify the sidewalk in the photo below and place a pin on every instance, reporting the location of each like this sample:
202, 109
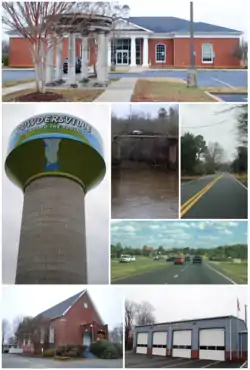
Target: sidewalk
118, 91
16, 88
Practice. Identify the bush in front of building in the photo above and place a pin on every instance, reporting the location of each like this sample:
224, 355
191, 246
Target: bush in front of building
48, 353
69, 350
119, 348
5, 60
105, 349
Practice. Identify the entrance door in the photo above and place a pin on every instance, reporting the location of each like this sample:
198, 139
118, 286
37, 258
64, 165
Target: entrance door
122, 57
142, 343
160, 343
87, 339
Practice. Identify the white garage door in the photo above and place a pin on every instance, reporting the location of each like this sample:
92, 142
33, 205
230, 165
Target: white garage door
142, 343
160, 343
182, 343
212, 344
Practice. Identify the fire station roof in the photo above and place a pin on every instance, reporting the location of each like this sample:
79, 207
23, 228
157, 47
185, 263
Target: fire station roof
61, 308
191, 320
177, 25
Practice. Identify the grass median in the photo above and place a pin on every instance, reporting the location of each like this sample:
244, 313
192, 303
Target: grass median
165, 90
235, 271
140, 266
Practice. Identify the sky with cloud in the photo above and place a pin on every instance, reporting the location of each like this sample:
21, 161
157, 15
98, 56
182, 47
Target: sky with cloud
170, 234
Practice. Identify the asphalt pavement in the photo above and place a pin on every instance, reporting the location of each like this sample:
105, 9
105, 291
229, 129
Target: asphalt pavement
21, 362
187, 273
218, 196
133, 360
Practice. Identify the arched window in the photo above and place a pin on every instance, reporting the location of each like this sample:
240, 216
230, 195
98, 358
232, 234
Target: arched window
207, 53
160, 53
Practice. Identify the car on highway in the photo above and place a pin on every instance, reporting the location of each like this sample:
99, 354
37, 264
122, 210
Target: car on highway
178, 260
126, 258
169, 259
78, 65
197, 259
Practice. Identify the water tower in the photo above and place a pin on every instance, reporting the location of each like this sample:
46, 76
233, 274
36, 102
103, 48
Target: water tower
55, 159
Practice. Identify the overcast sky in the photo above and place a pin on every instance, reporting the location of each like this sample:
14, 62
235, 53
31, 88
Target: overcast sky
126, 109
181, 234
30, 300
221, 126
97, 200
178, 302
231, 14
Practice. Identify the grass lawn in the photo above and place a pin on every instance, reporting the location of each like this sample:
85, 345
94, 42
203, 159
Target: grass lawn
235, 271
71, 95
166, 90
18, 82
241, 177
141, 265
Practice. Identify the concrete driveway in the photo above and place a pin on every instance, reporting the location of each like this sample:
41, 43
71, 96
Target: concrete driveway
142, 361
20, 362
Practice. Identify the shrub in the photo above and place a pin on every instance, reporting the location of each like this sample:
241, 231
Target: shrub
49, 353
60, 351
119, 349
5, 60
105, 349
72, 353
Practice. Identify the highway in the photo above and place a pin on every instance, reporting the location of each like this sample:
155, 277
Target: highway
219, 196
187, 273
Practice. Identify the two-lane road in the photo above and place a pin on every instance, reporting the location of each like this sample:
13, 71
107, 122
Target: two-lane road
187, 273
219, 196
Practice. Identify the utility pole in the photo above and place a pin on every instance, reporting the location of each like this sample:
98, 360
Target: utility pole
192, 73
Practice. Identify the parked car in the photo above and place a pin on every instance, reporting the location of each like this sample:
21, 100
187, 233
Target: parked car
125, 258
78, 65
197, 259
170, 259
187, 258
132, 258
178, 260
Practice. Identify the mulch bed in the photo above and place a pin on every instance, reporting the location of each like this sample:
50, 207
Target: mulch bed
40, 97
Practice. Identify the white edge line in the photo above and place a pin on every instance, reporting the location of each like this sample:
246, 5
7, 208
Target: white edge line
212, 363
220, 273
224, 83
243, 364
239, 182
216, 98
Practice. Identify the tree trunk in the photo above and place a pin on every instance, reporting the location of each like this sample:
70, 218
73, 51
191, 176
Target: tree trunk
39, 59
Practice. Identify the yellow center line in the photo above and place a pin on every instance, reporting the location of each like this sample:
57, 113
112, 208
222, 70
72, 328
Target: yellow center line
194, 199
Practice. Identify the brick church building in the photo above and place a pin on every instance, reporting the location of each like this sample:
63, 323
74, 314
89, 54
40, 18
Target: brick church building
74, 321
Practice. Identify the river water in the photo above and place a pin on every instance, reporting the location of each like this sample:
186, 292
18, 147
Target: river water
145, 193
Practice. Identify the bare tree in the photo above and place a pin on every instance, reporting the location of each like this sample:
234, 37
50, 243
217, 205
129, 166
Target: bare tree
5, 328
33, 328
145, 314
131, 309
116, 335
241, 52
5, 47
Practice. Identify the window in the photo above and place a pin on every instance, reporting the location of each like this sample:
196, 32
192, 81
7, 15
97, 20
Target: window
51, 334
85, 305
160, 53
42, 335
207, 53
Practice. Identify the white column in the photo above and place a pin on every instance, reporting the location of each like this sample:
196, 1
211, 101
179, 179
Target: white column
101, 72
50, 59
109, 52
72, 59
145, 52
59, 61
133, 52
84, 67
106, 53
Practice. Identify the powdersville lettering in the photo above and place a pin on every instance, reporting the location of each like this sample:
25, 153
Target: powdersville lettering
62, 120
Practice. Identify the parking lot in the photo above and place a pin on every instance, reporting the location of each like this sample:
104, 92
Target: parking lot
133, 360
